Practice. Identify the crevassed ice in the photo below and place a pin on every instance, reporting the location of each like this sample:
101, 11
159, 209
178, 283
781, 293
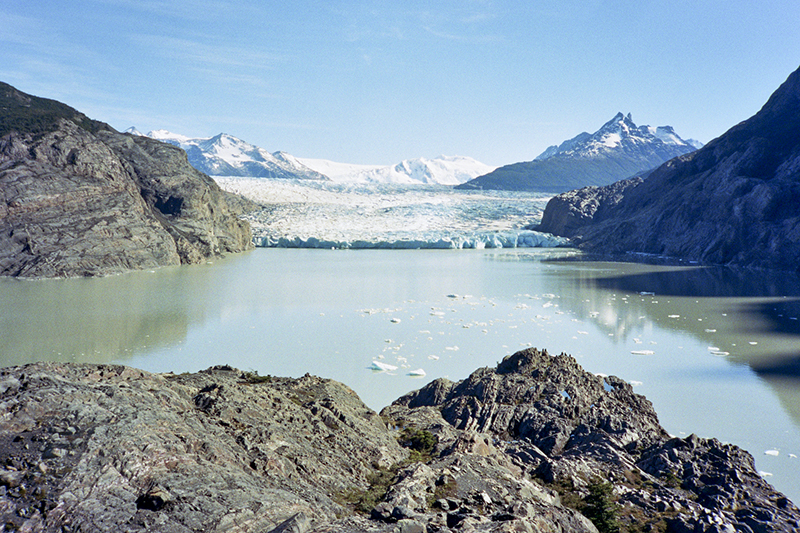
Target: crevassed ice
311, 214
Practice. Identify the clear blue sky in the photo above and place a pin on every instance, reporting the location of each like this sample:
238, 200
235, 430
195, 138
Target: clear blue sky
378, 82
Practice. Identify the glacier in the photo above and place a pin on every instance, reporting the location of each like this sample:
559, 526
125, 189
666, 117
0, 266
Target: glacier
313, 214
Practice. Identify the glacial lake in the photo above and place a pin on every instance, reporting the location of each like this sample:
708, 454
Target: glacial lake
717, 351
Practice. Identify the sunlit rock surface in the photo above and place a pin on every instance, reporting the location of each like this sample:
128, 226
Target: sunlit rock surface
515, 448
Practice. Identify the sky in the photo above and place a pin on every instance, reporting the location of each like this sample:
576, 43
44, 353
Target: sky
372, 82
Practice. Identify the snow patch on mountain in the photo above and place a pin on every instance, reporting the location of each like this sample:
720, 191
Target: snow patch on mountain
443, 170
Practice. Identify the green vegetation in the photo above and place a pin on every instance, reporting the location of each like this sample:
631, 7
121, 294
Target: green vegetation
37, 116
418, 440
252, 377
601, 508
363, 501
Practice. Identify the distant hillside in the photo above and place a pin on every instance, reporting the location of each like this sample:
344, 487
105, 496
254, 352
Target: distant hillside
619, 149
226, 155
734, 201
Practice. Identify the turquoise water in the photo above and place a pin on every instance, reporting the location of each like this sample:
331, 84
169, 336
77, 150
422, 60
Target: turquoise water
716, 351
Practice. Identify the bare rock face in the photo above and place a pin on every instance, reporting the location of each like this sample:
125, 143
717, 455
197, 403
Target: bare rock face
522, 447
566, 213
565, 430
734, 201
109, 448
80, 199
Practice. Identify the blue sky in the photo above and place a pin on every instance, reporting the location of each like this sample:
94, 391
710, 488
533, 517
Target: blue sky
377, 82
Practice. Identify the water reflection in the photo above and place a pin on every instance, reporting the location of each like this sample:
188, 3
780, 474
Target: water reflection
750, 318
99, 320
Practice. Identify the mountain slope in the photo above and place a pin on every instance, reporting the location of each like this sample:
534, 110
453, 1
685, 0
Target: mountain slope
618, 150
444, 170
78, 198
735, 201
226, 155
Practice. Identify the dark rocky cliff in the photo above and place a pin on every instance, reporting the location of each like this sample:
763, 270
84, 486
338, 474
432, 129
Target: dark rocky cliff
536, 444
734, 201
78, 198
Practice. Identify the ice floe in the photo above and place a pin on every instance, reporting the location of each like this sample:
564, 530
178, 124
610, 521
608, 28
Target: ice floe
382, 367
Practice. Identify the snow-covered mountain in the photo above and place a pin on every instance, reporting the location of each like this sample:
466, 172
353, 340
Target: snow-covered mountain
618, 150
444, 170
226, 155
618, 135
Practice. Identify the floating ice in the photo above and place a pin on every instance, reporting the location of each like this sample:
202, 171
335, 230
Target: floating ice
395, 321
642, 352
773, 453
418, 372
382, 367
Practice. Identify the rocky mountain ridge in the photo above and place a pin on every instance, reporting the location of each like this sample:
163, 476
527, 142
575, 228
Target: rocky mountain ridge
535, 444
619, 149
78, 198
734, 201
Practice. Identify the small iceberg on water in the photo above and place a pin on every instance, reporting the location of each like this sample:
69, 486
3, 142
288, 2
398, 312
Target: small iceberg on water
382, 367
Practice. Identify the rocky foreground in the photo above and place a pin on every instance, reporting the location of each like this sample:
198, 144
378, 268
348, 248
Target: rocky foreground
536, 444
78, 198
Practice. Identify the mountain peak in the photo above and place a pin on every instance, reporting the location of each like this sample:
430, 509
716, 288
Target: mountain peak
619, 133
619, 149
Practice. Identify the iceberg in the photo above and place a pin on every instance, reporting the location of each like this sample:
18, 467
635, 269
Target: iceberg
382, 367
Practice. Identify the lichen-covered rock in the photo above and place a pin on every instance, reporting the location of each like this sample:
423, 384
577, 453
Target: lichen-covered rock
542, 419
80, 199
517, 448
109, 448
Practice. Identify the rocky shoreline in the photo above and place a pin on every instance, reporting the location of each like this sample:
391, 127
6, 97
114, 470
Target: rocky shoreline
535, 444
